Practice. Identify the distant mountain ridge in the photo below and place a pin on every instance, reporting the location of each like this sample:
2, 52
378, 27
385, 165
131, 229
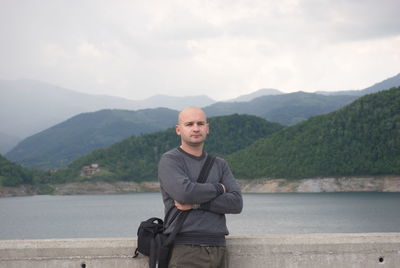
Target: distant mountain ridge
59, 145
37, 105
383, 85
292, 108
285, 109
28, 107
256, 94
173, 102
7, 142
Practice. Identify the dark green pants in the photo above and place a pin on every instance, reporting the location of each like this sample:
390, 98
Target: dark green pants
193, 256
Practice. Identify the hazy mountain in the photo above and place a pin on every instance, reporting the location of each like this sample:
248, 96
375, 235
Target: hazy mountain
27, 106
292, 108
256, 94
59, 145
361, 139
176, 103
383, 85
286, 109
7, 142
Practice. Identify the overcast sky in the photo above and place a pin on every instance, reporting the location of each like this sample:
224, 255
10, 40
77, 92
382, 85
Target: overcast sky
220, 48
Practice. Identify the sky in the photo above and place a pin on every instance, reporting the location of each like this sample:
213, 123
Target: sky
219, 48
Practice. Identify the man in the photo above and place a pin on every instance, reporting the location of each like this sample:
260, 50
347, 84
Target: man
201, 241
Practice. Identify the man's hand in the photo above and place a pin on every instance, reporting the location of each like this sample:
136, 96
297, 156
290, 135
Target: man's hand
183, 206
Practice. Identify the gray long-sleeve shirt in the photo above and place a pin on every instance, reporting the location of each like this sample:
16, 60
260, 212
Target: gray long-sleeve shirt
178, 172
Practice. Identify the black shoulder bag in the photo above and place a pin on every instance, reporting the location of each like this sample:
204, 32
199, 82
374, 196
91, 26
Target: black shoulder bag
152, 242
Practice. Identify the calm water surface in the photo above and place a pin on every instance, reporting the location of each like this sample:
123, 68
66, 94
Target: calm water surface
38, 217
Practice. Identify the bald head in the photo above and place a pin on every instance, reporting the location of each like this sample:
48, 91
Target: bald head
191, 111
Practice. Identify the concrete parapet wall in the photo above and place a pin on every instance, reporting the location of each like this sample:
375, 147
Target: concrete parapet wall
305, 250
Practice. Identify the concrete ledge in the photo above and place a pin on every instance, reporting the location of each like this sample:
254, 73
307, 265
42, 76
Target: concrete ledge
316, 250
305, 250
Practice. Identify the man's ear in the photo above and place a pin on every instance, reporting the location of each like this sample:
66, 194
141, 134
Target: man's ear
177, 130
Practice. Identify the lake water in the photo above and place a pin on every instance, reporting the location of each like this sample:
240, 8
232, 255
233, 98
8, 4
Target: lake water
86, 216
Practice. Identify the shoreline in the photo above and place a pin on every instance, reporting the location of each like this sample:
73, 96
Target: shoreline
265, 185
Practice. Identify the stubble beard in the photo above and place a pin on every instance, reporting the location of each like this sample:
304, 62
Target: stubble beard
197, 143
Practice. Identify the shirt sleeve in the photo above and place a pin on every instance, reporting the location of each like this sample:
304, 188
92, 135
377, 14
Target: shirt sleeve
175, 182
230, 202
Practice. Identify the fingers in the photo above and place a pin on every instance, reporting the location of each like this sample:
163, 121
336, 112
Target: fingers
182, 206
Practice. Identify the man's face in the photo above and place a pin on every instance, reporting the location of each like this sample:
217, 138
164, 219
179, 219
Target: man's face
192, 127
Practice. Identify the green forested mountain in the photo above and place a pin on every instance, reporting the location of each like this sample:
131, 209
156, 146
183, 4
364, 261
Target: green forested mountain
362, 138
58, 146
12, 174
136, 158
286, 109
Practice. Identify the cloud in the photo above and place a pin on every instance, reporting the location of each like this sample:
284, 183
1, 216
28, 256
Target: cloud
221, 48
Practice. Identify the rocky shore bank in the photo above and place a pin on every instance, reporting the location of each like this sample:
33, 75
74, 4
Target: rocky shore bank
314, 185
317, 185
